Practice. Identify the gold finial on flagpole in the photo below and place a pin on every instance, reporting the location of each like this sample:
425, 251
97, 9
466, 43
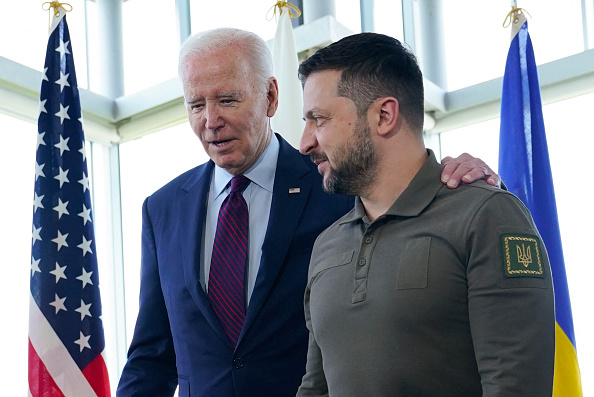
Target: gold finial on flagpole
294, 12
512, 16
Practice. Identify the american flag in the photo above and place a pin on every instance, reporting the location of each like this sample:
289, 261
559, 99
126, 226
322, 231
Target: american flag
66, 340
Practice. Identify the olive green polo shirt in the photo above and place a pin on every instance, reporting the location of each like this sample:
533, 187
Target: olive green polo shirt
447, 294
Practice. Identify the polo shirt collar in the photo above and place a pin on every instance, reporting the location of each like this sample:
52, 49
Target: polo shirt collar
415, 198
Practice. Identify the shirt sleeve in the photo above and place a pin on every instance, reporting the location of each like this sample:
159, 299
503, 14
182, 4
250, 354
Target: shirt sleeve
313, 383
511, 301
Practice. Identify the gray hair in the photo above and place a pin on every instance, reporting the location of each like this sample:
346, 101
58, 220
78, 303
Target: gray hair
251, 44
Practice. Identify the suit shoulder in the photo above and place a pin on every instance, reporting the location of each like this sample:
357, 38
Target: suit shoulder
189, 177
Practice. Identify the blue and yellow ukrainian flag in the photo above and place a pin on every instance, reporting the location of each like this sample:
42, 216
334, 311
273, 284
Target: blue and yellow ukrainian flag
524, 166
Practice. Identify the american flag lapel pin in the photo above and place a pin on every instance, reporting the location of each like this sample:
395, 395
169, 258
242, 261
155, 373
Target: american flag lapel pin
294, 190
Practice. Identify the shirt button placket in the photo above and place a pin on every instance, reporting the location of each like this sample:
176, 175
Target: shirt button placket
362, 269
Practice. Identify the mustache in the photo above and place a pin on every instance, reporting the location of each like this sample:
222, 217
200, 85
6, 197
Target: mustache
317, 157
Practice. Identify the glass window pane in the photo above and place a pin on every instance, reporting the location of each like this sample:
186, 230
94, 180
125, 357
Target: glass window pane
253, 16
16, 202
480, 140
248, 15
570, 137
24, 32
476, 44
388, 18
151, 43
147, 164
348, 13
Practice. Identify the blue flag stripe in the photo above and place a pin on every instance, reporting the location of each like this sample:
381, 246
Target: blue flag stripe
524, 161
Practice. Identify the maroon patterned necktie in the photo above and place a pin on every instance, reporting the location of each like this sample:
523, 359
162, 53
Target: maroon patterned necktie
229, 256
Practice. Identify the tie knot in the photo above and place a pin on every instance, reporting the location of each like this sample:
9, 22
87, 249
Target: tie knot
239, 183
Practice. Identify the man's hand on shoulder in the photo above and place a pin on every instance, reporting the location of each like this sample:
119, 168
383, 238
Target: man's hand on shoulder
467, 169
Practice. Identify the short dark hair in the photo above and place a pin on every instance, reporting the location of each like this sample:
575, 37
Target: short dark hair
373, 66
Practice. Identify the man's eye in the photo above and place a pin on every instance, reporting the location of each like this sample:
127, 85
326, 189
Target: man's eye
319, 121
196, 106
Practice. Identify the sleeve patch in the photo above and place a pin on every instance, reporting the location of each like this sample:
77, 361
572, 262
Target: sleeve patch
521, 256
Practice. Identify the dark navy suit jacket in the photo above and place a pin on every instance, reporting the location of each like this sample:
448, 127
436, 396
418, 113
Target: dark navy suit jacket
178, 338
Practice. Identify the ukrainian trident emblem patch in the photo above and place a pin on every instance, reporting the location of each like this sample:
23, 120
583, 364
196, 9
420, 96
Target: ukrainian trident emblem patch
522, 256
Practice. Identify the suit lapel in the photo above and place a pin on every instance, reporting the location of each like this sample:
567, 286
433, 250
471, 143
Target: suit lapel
193, 198
290, 194
289, 197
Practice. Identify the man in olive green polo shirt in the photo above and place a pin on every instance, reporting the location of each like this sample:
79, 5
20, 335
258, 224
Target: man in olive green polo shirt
420, 290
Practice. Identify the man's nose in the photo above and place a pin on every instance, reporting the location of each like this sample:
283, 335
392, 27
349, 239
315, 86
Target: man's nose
212, 116
308, 140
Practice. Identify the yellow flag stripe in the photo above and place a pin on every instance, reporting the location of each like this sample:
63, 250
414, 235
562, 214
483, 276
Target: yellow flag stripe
567, 381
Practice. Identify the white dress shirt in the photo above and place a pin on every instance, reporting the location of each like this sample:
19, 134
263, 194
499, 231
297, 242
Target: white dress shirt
258, 196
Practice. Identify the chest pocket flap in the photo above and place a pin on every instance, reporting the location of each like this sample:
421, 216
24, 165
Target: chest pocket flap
330, 262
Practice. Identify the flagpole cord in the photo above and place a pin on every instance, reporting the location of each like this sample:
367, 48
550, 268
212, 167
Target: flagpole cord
294, 12
55, 5
512, 16
48, 5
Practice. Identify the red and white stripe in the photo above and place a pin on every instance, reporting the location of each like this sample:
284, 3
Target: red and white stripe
52, 371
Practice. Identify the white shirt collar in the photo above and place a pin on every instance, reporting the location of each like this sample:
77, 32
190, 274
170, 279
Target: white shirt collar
261, 173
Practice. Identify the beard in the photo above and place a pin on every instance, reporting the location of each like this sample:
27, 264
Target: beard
355, 164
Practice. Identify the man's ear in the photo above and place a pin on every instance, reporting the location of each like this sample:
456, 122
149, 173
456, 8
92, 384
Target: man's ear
272, 97
387, 114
